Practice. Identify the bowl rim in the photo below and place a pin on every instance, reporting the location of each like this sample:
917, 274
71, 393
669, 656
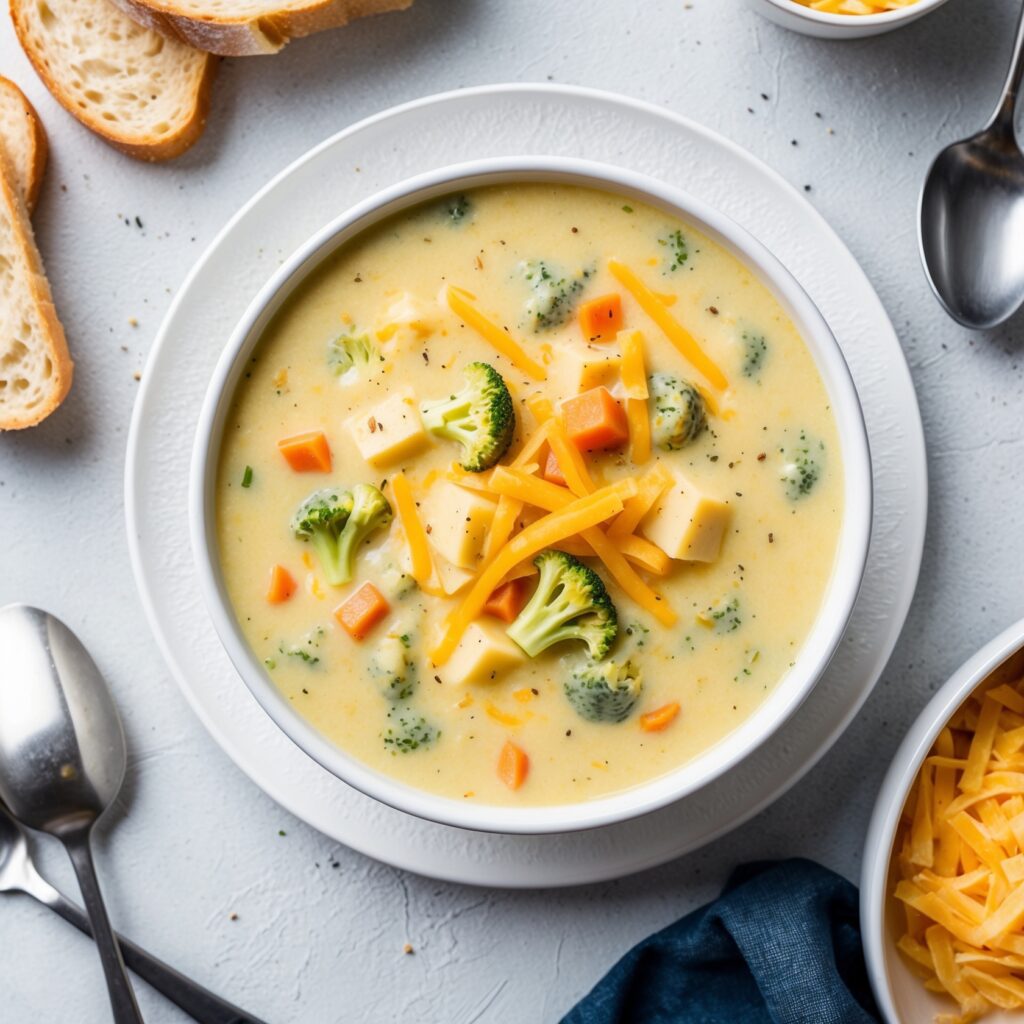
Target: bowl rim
892, 795
829, 624
892, 18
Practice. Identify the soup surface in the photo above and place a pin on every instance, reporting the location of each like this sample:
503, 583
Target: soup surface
667, 605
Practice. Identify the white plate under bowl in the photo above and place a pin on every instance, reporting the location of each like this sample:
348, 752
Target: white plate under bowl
900, 994
504, 121
837, 602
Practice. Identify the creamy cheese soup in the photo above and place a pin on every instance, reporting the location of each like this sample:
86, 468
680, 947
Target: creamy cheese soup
529, 495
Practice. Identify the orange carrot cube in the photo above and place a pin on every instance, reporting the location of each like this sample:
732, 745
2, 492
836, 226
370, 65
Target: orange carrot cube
362, 611
595, 420
552, 471
513, 765
307, 453
506, 602
281, 585
660, 718
601, 318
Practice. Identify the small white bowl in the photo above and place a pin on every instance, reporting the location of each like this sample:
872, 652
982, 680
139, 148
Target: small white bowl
836, 607
900, 994
792, 15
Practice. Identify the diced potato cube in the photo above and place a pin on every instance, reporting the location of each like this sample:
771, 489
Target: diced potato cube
452, 578
457, 521
686, 523
578, 368
484, 653
390, 432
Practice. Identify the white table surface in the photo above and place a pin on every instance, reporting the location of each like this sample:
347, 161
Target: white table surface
320, 930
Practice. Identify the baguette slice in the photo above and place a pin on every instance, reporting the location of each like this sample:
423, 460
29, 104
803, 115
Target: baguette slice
141, 92
241, 28
22, 141
35, 368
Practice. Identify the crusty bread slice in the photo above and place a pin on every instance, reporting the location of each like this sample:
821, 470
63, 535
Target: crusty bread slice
142, 92
35, 368
22, 141
240, 28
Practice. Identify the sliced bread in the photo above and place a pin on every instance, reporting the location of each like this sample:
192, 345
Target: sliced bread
35, 368
142, 92
22, 141
239, 28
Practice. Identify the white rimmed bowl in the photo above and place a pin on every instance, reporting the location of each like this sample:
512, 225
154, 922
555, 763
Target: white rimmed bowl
900, 994
792, 15
829, 624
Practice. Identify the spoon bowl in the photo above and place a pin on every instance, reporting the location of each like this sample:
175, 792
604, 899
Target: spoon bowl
972, 223
971, 216
62, 758
62, 748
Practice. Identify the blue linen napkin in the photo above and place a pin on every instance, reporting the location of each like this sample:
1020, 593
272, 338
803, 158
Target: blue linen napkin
781, 945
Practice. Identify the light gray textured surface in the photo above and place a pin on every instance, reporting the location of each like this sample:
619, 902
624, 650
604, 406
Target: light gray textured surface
317, 943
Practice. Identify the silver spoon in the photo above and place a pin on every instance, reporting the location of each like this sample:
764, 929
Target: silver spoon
62, 758
972, 216
18, 874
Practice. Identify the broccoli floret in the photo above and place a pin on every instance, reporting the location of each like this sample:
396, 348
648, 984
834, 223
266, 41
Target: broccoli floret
481, 417
570, 603
457, 208
554, 293
408, 732
350, 350
391, 668
604, 691
678, 251
802, 466
755, 348
301, 651
336, 522
679, 414
723, 616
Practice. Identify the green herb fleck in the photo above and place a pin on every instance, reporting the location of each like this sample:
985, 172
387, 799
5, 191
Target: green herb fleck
409, 733
303, 650
626, 208
678, 251
723, 615
755, 348
247, 477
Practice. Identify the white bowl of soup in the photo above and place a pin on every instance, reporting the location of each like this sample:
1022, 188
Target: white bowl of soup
531, 495
843, 19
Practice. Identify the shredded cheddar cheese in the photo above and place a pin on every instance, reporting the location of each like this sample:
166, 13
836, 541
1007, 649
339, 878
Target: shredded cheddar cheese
856, 6
960, 857
570, 460
683, 340
415, 535
544, 533
461, 303
612, 554
634, 384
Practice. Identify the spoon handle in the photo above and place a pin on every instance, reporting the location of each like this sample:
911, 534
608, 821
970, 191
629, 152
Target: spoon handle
122, 998
199, 1003
1004, 116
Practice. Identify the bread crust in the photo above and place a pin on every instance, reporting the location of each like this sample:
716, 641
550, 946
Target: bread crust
40, 144
42, 298
150, 149
247, 36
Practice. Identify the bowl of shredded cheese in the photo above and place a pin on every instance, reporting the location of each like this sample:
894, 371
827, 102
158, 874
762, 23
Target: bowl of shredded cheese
843, 19
942, 897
